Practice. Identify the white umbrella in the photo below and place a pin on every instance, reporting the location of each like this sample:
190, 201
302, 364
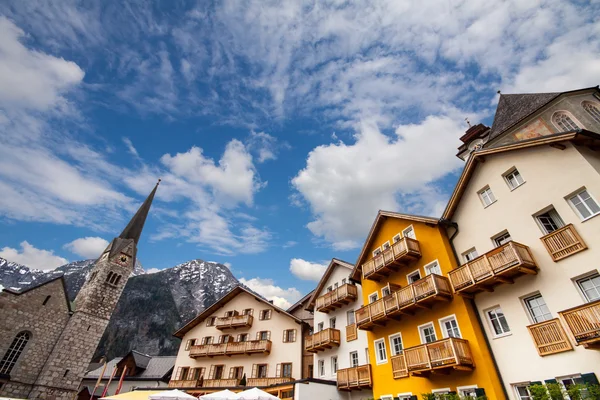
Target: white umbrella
171, 395
256, 394
222, 395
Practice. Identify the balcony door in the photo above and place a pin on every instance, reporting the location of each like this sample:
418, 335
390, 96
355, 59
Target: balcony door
549, 221
350, 317
218, 372
261, 371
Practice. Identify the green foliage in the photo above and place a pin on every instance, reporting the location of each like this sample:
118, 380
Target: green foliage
593, 392
428, 396
584, 392
555, 390
539, 392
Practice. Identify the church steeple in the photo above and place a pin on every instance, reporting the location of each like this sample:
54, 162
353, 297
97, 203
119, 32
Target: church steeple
133, 230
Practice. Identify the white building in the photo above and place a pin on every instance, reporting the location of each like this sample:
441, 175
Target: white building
341, 350
527, 212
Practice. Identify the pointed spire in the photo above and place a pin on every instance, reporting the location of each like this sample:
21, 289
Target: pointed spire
133, 230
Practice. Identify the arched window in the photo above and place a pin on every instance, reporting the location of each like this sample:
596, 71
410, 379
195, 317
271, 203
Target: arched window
14, 352
592, 109
563, 121
109, 277
118, 279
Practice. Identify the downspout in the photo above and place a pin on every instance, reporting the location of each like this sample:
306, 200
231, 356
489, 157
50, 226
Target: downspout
454, 225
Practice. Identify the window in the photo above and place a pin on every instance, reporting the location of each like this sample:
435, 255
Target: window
449, 327
211, 321
343, 281
549, 221
242, 337
289, 336
113, 278
264, 315
46, 300
207, 340
413, 277
350, 317
386, 397
385, 291
332, 323
334, 365
354, 359
433, 268
380, 351
320, 326
236, 372
396, 344
486, 196
563, 121
248, 311
264, 335
368, 358
14, 352
183, 373
377, 252
409, 233
467, 391
260, 370
427, 333
498, 321
405, 396
439, 393
585, 205
396, 238
229, 314
470, 255
330, 288
537, 308
196, 373
522, 392
373, 297
217, 371
286, 370
225, 339
386, 246
322, 367
501, 239
190, 343
590, 287
569, 381
335, 285
514, 179
592, 109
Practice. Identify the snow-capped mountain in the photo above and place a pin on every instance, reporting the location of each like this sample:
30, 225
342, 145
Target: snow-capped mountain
152, 306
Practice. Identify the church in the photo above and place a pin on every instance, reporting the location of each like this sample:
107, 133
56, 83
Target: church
47, 343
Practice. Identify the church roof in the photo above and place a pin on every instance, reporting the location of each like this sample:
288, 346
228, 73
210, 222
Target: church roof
133, 230
35, 287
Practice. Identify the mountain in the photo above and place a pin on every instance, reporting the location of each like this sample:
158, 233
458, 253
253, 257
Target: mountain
152, 306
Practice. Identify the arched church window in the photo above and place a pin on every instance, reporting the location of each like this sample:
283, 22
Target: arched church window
592, 109
564, 122
118, 279
14, 352
110, 276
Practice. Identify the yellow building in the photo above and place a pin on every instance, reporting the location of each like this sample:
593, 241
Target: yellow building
422, 338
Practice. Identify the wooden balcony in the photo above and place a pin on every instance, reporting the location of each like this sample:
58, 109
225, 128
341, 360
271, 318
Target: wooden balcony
183, 383
196, 383
351, 332
319, 341
234, 322
338, 297
441, 356
400, 253
423, 293
267, 381
563, 242
501, 265
584, 323
231, 348
549, 337
355, 378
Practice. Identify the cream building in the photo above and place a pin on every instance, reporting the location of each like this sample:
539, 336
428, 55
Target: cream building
525, 223
241, 335
340, 349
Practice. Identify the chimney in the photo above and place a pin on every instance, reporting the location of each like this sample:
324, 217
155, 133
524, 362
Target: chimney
271, 301
474, 132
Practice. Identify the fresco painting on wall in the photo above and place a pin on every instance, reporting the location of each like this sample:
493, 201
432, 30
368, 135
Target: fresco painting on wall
535, 129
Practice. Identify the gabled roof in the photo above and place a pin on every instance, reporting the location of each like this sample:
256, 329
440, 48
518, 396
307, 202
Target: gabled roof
224, 300
381, 216
141, 360
335, 262
35, 287
514, 108
157, 367
580, 136
300, 302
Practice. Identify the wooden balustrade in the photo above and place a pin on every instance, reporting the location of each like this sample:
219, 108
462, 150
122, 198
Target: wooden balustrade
549, 337
500, 265
325, 339
267, 381
187, 383
584, 324
400, 253
420, 294
355, 378
446, 354
351, 332
221, 383
338, 297
234, 322
563, 242
231, 348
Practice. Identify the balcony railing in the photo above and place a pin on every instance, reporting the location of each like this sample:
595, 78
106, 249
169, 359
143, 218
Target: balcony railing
355, 378
187, 383
231, 348
338, 297
446, 354
325, 339
420, 294
234, 322
351, 332
501, 265
563, 242
267, 381
549, 337
195, 383
584, 323
400, 253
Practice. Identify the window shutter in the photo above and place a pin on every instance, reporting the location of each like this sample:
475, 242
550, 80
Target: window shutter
267, 368
231, 372
278, 371
187, 345
535, 383
413, 397
268, 335
590, 378
211, 373
293, 335
285, 336
254, 369
202, 371
479, 392
550, 380
178, 374
257, 335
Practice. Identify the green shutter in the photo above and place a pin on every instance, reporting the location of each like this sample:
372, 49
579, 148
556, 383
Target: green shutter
479, 392
590, 378
550, 381
535, 383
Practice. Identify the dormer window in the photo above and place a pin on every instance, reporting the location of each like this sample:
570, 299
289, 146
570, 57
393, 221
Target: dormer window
564, 121
592, 109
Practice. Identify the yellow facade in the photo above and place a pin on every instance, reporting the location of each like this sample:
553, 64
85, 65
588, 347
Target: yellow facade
434, 245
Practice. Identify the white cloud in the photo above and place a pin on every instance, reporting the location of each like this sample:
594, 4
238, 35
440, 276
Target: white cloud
33, 257
306, 270
345, 184
281, 297
153, 270
264, 145
132, 150
88, 247
228, 265
289, 243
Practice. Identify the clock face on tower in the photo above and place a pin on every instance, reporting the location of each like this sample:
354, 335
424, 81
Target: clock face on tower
123, 259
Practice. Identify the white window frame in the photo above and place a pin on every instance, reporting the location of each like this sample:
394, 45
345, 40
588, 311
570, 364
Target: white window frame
568, 114
397, 237
334, 365
443, 328
500, 235
408, 280
459, 389
392, 347
377, 252
387, 290
516, 390
483, 190
558, 222
466, 253
512, 172
525, 301
332, 322
405, 396
351, 359
377, 359
386, 397
389, 246
321, 366
409, 228
585, 276
441, 391
376, 294
320, 326
491, 325
421, 333
577, 193
433, 262
350, 312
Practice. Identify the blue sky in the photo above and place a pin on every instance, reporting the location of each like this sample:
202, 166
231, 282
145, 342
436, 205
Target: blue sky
278, 128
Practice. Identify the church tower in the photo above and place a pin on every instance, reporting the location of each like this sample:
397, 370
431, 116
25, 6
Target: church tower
94, 305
